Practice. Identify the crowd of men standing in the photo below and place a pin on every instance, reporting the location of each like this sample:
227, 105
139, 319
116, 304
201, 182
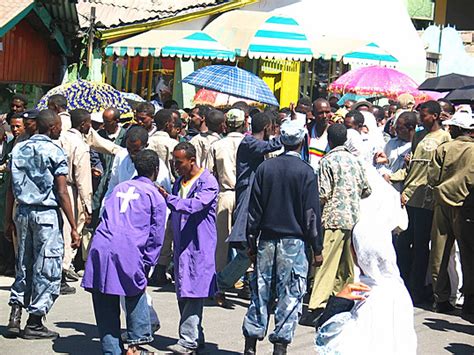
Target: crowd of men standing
264, 199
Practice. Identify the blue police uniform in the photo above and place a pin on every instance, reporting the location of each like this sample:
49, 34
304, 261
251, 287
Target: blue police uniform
34, 165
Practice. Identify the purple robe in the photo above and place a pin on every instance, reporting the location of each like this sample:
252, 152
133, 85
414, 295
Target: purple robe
128, 240
195, 236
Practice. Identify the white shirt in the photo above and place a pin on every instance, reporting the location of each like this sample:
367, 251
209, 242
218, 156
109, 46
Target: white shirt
123, 169
396, 149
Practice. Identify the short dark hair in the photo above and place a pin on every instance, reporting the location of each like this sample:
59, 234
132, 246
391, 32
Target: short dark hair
21, 98
45, 120
259, 121
58, 100
380, 113
203, 110
305, 101
214, 119
433, 107
145, 107
146, 162
78, 116
357, 116
115, 112
189, 149
242, 105
337, 134
451, 109
136, 133
285, 110
410, 117
162, 118
170, 104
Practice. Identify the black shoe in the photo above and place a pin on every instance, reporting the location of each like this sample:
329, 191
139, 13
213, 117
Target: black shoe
66, 289
221, 301
468, 306
14, 323
250, 347
159, 277
279, 349
245, 293
36, 330
444, 307
71, 275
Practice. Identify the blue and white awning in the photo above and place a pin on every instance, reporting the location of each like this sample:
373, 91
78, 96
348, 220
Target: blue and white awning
370, 54
198, 45
280, 38
261, 35
171, 43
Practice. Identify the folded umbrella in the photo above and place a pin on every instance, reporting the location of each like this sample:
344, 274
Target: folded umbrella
447, 82
233, 81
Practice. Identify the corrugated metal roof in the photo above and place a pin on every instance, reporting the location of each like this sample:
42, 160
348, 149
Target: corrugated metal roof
64, 13
114, 13
11, 9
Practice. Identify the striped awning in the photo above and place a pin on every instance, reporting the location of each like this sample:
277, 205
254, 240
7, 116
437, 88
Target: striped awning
198, 45
171, 43
261, 35
280, 38
370, 54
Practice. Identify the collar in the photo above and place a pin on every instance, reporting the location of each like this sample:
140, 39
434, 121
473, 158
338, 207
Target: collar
162, 134
235, 135
465, 139
341, 148
294, 154
40, 137
143, 179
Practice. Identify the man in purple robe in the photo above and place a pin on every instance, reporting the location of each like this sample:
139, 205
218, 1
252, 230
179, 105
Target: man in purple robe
193, 219
126, 245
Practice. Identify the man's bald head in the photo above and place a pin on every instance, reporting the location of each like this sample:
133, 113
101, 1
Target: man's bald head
111, 117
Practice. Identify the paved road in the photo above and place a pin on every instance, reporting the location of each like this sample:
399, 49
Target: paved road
73, 318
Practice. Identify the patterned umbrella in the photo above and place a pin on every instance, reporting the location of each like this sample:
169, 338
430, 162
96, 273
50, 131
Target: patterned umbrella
218, 99
232, 81
93, 97
375, 81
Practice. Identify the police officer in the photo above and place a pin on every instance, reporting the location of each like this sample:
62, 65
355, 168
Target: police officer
39, 169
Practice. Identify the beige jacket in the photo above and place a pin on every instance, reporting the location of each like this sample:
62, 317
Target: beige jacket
163, 145
202, 142
221, 160
79, 163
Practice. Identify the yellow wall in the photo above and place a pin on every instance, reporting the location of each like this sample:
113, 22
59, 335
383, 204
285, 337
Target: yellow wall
282, 76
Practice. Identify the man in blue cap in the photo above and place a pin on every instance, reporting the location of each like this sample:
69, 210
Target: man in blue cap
277, 239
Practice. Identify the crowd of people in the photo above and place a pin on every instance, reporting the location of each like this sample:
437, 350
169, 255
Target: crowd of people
362, 207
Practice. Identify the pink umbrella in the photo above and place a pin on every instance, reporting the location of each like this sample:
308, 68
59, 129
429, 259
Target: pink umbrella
218, 99
375, 81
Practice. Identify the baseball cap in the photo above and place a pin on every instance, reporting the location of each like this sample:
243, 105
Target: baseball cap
235, 117
461, 119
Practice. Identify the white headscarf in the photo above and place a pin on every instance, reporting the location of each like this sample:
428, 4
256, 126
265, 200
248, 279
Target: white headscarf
383, 323
373, 141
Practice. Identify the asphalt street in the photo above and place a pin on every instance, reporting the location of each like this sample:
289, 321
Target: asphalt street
72, 316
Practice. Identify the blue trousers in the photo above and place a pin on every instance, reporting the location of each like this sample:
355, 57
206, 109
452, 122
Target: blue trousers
40, 254
191, 334
279, 279
107, 315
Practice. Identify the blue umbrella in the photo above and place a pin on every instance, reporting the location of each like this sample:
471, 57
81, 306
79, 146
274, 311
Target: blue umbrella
232, 81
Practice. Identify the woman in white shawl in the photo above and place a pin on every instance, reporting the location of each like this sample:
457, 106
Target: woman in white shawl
377, 319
